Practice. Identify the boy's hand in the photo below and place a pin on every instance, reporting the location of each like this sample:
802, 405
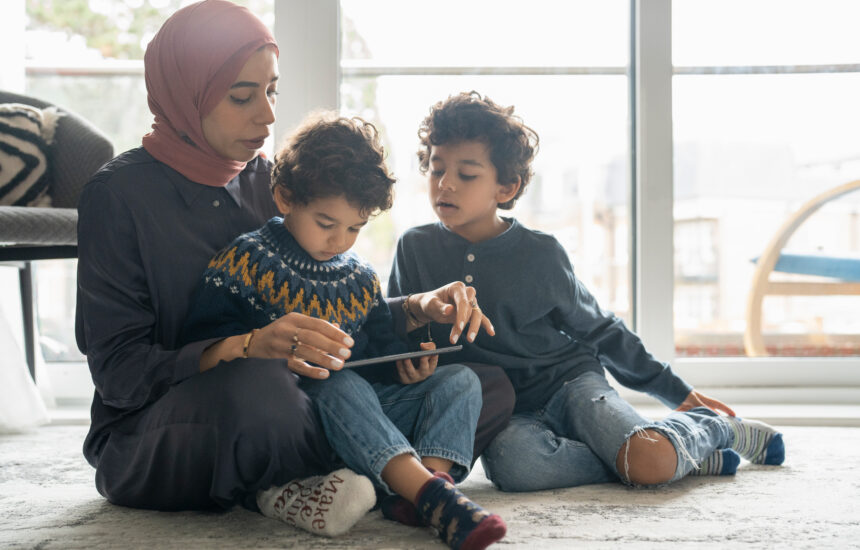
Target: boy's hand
301, 340
696, 399
408, 374
454, 303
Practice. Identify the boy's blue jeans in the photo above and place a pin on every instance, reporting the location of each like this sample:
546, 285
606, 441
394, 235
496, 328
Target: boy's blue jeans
575, 439
368, 424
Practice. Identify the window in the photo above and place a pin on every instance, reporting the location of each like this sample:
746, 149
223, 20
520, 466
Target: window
91, 60
562, 65
765, 118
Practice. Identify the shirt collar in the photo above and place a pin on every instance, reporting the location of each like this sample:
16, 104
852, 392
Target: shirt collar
504, 240
234, 189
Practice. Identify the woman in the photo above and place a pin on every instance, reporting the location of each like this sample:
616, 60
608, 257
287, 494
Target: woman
205, 424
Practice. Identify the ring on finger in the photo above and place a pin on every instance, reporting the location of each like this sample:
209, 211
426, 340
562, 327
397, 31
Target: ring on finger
296, 344
474, 304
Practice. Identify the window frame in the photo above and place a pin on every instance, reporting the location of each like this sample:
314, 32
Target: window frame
650, 79
309, 34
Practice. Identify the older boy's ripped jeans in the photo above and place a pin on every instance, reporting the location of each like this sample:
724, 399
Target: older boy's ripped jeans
575, 439
369, 424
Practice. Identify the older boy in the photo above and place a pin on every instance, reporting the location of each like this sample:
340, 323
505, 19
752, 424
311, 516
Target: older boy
552, 338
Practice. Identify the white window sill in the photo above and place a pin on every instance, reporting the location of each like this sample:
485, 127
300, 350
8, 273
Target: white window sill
784, 414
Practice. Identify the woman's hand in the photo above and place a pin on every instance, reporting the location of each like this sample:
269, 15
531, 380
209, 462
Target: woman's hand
301, 340
696, 399
409, 374
453, 303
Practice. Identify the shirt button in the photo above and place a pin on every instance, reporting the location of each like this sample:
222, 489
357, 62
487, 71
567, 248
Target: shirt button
216, 203
471, 257
468, 278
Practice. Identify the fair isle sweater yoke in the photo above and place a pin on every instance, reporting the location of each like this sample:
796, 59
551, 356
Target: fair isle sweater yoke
265, 274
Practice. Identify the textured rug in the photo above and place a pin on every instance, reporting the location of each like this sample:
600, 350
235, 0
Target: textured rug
47, 501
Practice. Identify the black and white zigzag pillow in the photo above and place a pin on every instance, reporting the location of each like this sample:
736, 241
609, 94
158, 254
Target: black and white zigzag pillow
25, 133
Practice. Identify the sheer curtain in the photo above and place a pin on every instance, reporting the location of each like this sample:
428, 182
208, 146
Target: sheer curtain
21, 405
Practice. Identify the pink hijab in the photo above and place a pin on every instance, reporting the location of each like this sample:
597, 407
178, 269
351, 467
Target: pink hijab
190, 65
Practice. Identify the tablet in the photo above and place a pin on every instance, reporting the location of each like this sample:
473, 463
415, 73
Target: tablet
398, 356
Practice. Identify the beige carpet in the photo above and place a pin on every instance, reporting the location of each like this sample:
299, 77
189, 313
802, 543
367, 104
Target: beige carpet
47, 501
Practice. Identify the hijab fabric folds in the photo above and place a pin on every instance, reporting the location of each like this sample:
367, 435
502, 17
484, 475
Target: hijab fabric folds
190, 65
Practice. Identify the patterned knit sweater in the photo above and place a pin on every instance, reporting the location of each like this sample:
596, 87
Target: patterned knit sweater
265, 274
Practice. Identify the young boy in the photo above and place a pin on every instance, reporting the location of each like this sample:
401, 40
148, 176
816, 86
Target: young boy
327, 181
552, 338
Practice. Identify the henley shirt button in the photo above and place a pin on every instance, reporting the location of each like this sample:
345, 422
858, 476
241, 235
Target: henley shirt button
471, 257
468, 278
216, 203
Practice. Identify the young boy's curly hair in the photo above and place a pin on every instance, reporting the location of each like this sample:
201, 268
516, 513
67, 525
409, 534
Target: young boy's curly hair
470, 117
330, 155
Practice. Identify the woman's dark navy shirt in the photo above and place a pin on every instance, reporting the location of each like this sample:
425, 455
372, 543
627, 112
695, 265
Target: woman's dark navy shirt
145, 235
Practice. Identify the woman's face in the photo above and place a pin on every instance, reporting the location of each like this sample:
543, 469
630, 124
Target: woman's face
239, 124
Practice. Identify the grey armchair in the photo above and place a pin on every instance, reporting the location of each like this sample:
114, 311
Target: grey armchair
28, 233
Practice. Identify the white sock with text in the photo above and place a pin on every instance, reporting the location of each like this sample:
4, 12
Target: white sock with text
323, 505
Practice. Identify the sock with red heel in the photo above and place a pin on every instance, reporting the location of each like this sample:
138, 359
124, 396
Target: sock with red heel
462, 524
397, 508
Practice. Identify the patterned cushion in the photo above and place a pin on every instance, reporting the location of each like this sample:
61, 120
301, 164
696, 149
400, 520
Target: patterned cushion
25, 133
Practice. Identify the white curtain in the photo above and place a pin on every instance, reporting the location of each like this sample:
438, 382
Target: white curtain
21, 405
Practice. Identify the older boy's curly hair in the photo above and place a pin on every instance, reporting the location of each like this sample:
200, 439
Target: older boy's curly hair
330, 155
470, 117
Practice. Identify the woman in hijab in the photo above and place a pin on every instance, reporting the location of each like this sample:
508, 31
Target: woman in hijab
206, 425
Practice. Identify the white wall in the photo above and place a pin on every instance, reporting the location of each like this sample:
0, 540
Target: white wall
309, 61
12, 25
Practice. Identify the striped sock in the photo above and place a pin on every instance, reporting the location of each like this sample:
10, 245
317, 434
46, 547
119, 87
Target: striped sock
462, 524
723, 462
756, 441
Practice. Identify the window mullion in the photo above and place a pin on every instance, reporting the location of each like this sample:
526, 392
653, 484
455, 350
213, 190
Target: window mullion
308, 35
653, 192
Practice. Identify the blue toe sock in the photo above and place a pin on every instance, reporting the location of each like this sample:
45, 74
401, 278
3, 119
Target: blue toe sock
775, 453
731, 461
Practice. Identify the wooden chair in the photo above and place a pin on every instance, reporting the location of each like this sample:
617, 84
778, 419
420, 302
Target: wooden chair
36, 233
843, 272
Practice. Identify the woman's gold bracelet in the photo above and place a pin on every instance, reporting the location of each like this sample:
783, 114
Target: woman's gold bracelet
408, 311
247, 343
